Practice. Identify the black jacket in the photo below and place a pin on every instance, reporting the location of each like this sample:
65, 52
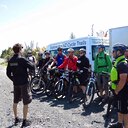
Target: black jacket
17, 69
83, 63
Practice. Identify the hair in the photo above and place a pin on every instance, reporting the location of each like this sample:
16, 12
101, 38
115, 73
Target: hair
17, 48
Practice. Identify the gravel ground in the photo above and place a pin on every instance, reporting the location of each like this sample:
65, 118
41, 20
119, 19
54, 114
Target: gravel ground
50, 113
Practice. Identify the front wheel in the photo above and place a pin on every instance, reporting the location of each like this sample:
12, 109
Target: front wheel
59, 89
37, 85
90, 91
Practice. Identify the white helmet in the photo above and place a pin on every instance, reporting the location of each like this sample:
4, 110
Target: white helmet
70, 50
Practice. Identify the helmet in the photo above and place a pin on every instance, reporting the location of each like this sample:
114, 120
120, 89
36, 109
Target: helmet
59, 49
82, 50
101, 46
119, 47
70, 50
47, 52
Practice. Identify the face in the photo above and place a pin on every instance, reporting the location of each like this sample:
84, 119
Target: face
59, 51
70, 54
116, 53
81, 53
47, 55
126, 53
100, 49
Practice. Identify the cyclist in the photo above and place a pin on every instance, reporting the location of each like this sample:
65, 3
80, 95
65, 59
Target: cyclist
102, 63
31, 57
59, 59
83, 65
17, 72
70, 61
119, 75
126, 53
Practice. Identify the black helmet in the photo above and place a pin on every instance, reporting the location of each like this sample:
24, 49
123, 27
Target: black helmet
82, 50
101, 46
119, 47
47, 52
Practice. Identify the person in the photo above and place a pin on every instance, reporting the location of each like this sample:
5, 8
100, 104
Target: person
119, 75
31, 57
70, 62
17, 73
102, 63
126, 53
83, 65
59, 59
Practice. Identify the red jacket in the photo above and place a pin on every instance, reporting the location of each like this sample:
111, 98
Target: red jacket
69, 63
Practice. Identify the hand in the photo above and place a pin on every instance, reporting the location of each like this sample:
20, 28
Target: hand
116, 92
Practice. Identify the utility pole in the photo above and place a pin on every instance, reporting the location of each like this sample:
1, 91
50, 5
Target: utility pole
92, 30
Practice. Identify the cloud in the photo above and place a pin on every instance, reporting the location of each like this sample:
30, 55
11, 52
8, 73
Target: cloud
3, 6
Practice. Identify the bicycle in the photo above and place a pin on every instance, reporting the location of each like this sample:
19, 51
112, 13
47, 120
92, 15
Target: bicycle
38, 83
91, 89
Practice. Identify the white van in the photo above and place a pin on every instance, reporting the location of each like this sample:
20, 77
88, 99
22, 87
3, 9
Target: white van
89, 43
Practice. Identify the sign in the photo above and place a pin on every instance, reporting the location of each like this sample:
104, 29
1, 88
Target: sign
68, 44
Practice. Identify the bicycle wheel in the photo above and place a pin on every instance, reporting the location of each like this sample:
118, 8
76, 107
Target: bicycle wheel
50, 88
59, 89
37, 85
90, 91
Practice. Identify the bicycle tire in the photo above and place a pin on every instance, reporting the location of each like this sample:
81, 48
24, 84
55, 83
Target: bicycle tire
59, 89
89, 96
37, 86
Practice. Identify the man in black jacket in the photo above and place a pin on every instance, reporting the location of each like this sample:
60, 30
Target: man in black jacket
83, 65
17, 72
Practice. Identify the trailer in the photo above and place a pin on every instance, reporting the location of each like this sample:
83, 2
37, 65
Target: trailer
118, 35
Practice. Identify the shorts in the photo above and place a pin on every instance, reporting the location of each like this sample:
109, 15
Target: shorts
102, 82
122, 101
83, 79
22, 92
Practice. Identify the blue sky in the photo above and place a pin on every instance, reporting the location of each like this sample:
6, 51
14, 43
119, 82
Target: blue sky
49, 21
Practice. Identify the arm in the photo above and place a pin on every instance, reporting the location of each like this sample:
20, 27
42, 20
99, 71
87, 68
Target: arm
9, 73
122, 82
63, 65
28, 64
74, 68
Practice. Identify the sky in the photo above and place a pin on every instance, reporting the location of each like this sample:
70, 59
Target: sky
51, 21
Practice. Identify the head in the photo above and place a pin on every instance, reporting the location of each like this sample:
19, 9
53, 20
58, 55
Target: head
101, 48
17, 48
126, 52
118, 50
70, 52
59, 50
82, 52
47, 54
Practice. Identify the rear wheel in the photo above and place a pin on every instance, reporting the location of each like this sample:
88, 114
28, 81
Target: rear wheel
90, 91
37, 85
